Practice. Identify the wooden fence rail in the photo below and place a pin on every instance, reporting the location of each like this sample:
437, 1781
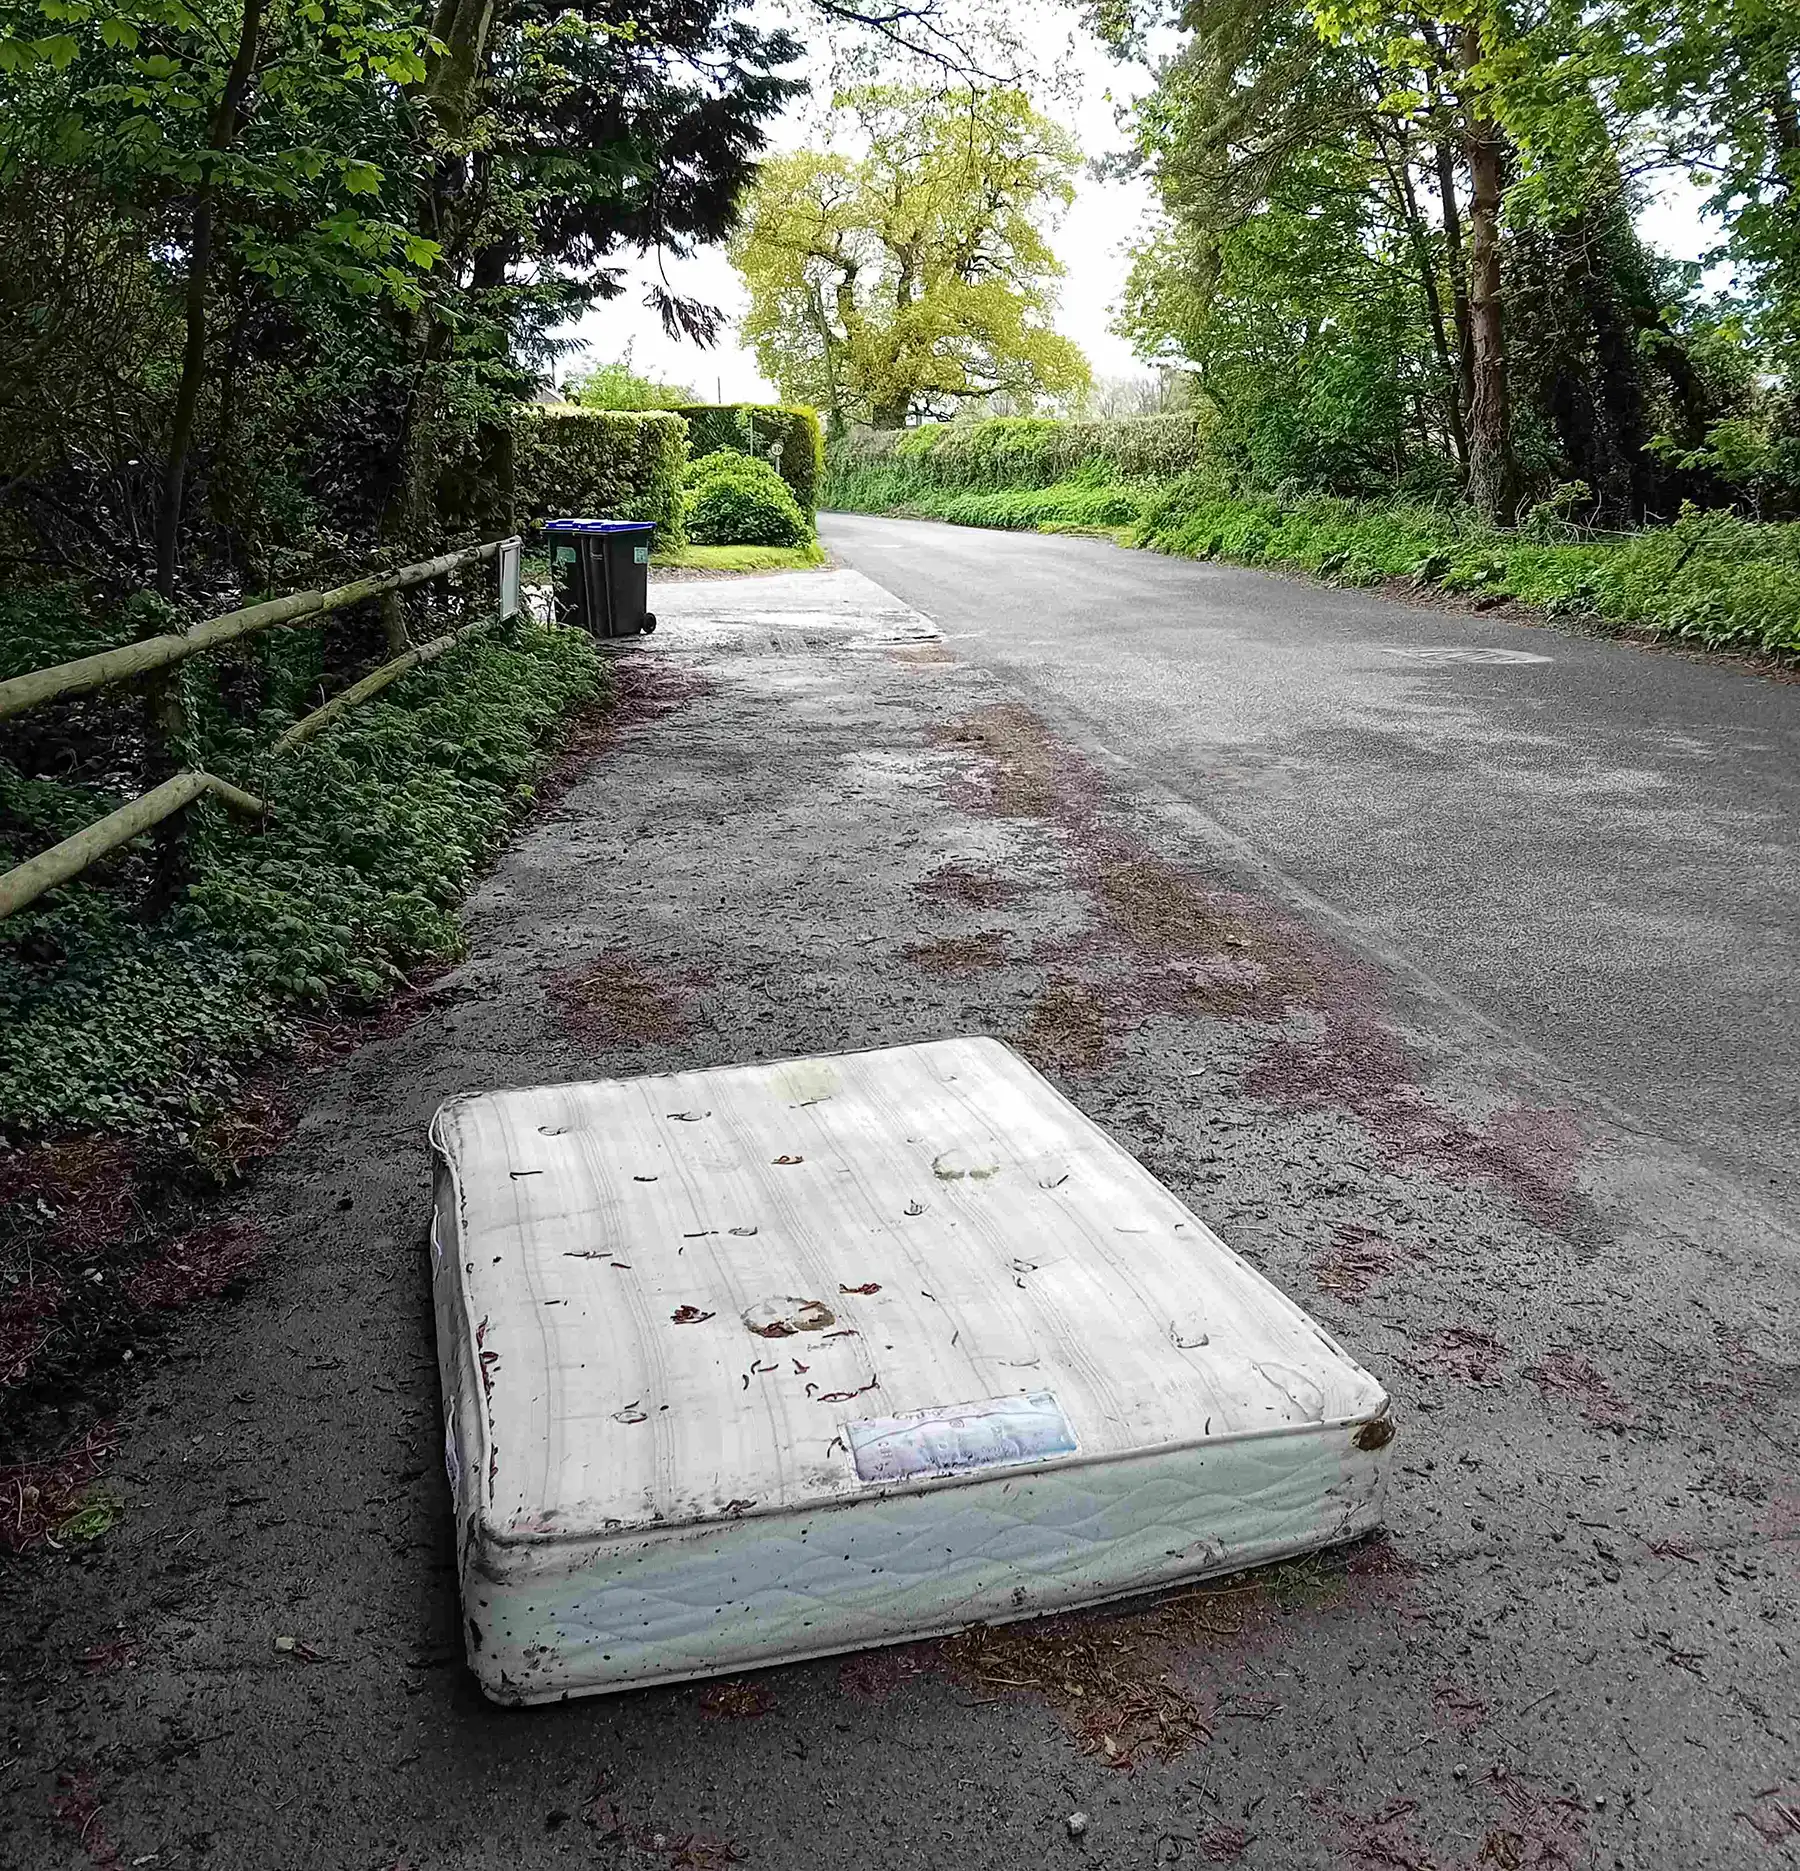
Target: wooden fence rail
26, 882
62, 681
374, 682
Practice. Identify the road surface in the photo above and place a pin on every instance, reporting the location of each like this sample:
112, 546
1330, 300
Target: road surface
1595, 845
812, 828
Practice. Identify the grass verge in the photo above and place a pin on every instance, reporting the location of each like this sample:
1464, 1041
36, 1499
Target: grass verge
740, 559
1709, 579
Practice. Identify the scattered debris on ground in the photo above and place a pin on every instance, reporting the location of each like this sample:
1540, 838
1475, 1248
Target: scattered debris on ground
615, 1001
959, 954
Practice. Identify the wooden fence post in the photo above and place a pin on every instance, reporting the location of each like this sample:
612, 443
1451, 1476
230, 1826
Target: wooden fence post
166, 731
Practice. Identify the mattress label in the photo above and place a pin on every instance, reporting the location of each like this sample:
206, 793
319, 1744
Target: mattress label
954, 1437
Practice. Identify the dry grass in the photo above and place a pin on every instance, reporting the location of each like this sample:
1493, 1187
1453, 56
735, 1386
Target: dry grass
612, 1001
27, 1321
1356, 1259
1193, 948
972, 889
1112, 1677
1458, 1707
37, 1499
959, 954
1066, 1027
1469, 1355
1568, 1374
1026, 775
734, 1702
76, 1197
200, 1265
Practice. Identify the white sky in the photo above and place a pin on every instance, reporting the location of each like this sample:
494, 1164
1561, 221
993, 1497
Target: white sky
1091, 241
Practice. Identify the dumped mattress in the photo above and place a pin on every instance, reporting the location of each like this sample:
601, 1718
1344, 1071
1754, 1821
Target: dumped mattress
754, 1364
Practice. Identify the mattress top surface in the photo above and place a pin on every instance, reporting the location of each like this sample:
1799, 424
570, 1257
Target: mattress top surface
706, 1294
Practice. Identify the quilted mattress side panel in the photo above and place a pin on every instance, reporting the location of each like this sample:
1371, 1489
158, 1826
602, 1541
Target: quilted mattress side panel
467, 1455
549, 1620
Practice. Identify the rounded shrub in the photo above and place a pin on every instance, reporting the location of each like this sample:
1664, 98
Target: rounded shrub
739, 501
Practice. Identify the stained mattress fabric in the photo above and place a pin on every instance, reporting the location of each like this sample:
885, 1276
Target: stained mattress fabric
753, 1364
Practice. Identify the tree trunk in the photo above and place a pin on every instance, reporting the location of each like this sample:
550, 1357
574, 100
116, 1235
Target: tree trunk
1493, 468
1459, 277
1426, 262
193, 353
1784, 120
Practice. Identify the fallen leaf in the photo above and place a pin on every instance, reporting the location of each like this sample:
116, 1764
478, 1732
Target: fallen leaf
689, 1315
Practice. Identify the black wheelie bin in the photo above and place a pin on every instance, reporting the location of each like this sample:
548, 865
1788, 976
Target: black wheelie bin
602, 574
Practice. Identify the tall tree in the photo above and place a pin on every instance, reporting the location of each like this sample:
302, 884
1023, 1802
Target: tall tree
915, 275
1296, 271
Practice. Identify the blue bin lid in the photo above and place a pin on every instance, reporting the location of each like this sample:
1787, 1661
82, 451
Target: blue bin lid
599, 526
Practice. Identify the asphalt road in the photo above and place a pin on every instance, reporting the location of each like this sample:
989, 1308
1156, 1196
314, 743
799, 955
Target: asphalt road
1595, 845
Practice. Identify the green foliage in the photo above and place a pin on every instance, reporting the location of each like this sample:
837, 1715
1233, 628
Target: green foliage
914, 274
575, 463
315, 189
740, 501
618, 385
376, 829
788, 438
1090, 504
1710, 578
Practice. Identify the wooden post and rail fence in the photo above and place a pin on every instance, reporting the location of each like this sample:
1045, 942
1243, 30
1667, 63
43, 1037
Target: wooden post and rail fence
131, 662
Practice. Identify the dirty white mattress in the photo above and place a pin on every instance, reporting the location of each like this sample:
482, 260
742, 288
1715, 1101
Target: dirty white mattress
755, 1364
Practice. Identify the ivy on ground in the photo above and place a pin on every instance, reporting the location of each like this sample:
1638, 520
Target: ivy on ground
375, 830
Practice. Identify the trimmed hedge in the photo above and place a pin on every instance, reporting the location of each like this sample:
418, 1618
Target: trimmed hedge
1710, 578
740, 501
1027, 451
755, 429
602, 464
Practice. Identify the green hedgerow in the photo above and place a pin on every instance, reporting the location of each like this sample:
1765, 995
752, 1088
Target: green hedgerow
574, 463
787, 438
1710, 578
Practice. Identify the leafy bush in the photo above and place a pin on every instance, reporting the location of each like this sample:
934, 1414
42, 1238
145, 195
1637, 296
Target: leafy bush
1710, 578
1084, 505
787, 437
375, 830
601, 464
738, 501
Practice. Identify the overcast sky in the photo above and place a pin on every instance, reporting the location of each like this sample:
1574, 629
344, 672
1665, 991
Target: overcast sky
1091, 241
